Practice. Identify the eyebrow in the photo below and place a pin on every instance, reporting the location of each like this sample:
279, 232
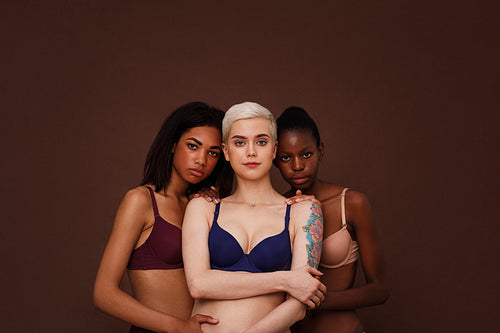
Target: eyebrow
201, 144
257, 136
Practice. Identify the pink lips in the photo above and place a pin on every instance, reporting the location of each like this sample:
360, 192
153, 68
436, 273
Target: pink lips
196, 172
251, 164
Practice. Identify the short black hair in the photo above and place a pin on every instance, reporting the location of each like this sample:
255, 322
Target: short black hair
296, 118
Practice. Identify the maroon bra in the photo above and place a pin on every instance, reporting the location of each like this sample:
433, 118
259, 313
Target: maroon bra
162, 249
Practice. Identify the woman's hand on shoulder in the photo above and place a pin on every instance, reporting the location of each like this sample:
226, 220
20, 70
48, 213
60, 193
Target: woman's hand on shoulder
298, 197
210, 194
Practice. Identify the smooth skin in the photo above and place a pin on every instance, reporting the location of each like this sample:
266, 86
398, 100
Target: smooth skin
242, 301
298, 160
161, 301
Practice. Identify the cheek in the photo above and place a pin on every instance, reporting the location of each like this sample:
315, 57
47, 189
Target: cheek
284, 168
212, 162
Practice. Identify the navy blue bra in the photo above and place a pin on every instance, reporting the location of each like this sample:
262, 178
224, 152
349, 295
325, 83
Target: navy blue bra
271, 254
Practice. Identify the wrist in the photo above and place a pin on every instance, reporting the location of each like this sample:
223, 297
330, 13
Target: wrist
283, 281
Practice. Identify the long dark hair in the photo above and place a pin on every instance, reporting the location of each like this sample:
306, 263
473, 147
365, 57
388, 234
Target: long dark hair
158, 166
295, 118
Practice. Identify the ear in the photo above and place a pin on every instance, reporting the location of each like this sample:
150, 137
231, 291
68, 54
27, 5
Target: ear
321, 150
173, 148
224, 150
275, 149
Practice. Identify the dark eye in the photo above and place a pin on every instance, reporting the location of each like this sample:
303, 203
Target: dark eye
284, 158
307, 155
192, 146
213, 153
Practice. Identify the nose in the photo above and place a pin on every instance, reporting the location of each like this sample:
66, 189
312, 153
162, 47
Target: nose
201, 159
297, 164
251, 150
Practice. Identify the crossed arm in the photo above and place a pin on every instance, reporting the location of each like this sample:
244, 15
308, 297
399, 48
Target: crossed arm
308, 224
204, 282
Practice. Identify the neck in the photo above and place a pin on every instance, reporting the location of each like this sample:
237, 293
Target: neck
255, 192
314, 189
177, 187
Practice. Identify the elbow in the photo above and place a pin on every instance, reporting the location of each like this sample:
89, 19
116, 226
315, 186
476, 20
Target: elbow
196, 289
101, 296
383, 293
98, 298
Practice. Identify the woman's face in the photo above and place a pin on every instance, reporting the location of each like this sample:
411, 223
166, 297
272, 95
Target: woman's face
196, 153
298, 158
250, 148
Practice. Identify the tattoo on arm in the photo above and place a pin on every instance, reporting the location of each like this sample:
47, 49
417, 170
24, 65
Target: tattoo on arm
314, 230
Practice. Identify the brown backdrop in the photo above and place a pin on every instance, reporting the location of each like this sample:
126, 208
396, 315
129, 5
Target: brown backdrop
403, 93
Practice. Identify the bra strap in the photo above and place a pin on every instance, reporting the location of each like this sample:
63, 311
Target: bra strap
287, 216
342, 200
216, 213
153, 200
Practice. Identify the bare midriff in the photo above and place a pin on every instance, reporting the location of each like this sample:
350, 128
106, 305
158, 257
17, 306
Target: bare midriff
237, 315
339, 321
163, 290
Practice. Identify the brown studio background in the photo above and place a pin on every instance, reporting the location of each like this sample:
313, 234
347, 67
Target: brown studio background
403, 93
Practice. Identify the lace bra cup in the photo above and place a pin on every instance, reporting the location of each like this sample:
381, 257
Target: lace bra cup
339, 249
271, 254
162, 249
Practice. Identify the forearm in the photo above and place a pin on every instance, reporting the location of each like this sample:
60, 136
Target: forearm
281, 318
119, 304
216, 284
370, 294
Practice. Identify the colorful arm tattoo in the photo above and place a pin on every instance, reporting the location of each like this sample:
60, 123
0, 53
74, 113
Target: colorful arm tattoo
314, 230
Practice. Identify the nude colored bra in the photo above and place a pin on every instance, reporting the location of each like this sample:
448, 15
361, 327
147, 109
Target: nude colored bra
339, 249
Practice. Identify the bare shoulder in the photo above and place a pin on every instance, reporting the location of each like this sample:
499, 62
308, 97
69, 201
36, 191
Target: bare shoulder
356, 200
200, 204
138, 198
304, 210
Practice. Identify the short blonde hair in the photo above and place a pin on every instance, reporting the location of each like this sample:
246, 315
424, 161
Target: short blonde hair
247, 110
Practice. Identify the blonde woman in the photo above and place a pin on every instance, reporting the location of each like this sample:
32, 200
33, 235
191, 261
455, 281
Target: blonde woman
239, 252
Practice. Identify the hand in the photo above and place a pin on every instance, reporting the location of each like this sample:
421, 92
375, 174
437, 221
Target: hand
304, 285
210, 194
193, 325
302, 197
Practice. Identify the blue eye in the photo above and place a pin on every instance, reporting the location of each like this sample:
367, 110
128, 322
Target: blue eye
239, 143
262, 142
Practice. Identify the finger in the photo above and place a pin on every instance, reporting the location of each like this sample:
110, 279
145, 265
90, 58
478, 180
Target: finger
194, 195
316, 300
298, 192
310, 305
320, 296
313, 271
205, 319
322, 288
